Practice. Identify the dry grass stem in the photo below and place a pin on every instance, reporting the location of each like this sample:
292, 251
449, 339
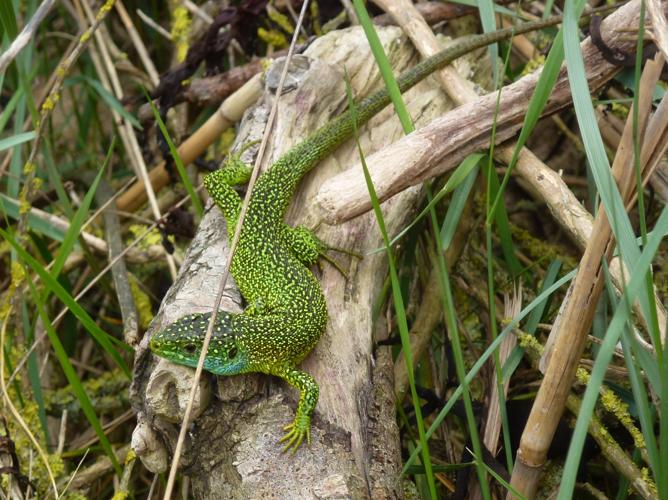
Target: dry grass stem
143, 54
26, 34
15, 413
109, 78
569, 333
152, 24
233, 245
229, 112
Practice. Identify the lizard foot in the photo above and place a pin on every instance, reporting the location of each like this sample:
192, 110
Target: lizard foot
296, 432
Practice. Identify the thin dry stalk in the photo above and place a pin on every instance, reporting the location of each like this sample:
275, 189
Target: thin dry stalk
610, 449
27, 34
493, 422
656, 141
100, 468
570, 331
119, 272
223, 280
15, 413
152, 24
146, 60
126, 253
229, 112
111, 82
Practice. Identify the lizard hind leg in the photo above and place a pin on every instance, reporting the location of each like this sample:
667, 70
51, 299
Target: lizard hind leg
300, 429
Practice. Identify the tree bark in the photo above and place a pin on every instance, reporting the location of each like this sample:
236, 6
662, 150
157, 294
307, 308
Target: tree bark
232, 449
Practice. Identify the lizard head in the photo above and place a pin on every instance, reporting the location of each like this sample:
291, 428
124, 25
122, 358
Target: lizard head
181, 342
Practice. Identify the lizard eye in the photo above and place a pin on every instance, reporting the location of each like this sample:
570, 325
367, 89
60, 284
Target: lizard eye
232, 353
190, 348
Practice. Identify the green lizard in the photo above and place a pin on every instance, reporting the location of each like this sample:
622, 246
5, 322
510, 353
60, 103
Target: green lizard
287, 312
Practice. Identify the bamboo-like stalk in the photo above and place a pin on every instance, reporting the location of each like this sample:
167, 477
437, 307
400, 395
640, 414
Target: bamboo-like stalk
571, 329
229, 112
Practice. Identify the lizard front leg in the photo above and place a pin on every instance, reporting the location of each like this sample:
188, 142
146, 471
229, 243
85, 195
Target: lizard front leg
219, 185
300, 428
308, 248
305, 245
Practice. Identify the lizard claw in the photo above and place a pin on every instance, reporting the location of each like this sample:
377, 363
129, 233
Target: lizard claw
295, 436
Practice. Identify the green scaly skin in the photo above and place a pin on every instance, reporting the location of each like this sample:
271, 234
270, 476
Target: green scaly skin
287, 312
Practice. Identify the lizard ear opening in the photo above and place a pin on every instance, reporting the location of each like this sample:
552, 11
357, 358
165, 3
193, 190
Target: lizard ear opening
232, 353
190, 348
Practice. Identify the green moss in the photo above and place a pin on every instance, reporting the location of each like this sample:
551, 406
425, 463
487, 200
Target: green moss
315, 18
539, 249
620, 110
533, 65
29, 463
108, 392
108, 5
50, 102
272, 37
647, 476
152, 238
181, 23
530, 342
143, 303
280, 19
613, 404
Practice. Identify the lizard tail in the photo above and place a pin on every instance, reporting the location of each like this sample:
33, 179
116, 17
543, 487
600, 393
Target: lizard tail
281, 181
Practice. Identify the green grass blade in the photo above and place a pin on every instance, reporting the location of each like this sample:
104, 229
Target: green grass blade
505, 484
460, 365
488, 21
499, 9
398, 304
74, 381
8, 19
79, 217
630, 347
484, 358
16, 164
177, 159
384, 67
108, 98
103, 338
460, 196
541, 94
593, 143
8, 110
621, 317
17, 139
459, 176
